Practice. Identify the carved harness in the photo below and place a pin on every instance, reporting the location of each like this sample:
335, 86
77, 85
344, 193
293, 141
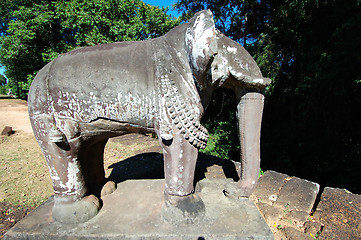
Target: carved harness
175, 107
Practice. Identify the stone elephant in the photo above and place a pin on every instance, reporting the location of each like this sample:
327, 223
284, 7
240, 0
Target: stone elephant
163, 85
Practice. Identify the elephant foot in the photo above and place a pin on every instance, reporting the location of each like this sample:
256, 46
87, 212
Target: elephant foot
76, 212
108, 188
179, 210
239, 189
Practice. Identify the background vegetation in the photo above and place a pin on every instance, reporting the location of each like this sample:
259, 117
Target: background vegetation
2, 84
34, 32
310, 49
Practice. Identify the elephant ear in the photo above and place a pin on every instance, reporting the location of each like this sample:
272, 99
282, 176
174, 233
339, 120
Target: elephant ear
201, 42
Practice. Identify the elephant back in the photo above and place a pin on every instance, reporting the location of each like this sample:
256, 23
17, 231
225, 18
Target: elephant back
111, 81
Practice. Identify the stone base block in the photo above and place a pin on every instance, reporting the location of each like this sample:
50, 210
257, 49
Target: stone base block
133, 211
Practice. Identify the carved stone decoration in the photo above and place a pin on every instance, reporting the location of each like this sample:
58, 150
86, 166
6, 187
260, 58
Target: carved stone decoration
84, 97
182, 116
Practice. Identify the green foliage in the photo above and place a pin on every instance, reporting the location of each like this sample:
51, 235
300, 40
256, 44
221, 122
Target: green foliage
3, 90
3, 87
32, 33
2, 80
316, 94
25, 86
240, 20
220, 120
105, 21
222, 142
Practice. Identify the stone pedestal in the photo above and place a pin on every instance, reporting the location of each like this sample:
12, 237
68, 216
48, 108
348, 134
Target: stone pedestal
133, 211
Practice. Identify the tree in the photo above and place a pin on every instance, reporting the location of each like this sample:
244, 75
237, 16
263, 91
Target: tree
311, 51
315, 92
2, 84
2, 80
34, 32
239, 20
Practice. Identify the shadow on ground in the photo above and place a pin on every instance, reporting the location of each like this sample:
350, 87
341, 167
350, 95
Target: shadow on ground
151, 166
7, 97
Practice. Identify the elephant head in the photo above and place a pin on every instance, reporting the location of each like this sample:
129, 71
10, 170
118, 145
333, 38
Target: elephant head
212, 61
218, 61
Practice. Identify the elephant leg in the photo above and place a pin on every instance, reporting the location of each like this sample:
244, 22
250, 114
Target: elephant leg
181, 204
72, 200
89, 159
92, 157
249, 113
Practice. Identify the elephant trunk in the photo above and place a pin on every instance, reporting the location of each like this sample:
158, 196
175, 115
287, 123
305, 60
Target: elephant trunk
249, 114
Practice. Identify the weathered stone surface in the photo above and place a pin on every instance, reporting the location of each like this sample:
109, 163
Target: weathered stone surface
296, 218
279, 235
133, 212
312, 228
340, 213
7, 131
298, 194
337, 215
285, 202
271, 214
294, 234
268, 186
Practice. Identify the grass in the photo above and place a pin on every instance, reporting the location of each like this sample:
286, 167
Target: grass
24, 176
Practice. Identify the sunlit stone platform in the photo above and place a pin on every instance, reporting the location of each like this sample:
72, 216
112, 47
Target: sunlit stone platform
133, 211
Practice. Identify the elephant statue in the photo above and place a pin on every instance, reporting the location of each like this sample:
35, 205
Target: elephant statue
163, 85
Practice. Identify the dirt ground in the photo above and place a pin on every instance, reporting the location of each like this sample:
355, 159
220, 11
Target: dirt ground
14, 113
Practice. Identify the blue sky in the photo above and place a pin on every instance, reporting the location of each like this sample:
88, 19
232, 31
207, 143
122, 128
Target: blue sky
2, 70
162, 3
